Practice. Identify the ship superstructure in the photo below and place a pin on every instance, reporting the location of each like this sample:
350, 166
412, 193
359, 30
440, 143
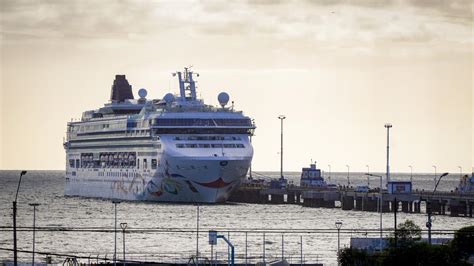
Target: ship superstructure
311, 177
175, 149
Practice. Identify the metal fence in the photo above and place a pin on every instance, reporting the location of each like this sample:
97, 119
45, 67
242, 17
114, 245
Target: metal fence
179, 245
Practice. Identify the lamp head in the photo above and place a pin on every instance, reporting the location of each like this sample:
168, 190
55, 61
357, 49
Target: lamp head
443, 175
281, 117
123, 226
388, 125
338, 224
23, 173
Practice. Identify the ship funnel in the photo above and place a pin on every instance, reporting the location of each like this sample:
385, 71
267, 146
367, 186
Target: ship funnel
121, 89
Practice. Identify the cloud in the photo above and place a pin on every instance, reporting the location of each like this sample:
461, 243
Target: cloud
356, 23
455, 8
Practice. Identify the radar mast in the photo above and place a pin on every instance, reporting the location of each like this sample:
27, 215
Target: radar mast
187, 86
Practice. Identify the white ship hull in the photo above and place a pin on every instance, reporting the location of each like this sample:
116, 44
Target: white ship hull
198, 179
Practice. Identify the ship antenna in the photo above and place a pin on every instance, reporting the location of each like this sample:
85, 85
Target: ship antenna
187, 84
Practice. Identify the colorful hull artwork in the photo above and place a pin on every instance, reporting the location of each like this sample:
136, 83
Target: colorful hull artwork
162, 186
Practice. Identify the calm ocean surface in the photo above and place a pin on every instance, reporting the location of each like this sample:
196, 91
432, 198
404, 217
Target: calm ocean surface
167, 232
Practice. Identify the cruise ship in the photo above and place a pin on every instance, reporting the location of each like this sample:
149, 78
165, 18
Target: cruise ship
174, 149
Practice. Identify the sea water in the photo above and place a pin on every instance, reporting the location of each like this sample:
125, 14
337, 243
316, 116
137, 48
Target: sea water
167, 232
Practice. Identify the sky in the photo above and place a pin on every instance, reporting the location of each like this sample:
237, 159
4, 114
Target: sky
338, 70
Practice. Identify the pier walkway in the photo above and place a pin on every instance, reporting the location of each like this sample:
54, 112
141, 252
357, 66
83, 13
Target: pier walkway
453, 203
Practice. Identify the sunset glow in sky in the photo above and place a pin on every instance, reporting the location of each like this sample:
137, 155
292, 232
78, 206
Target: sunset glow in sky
339, 70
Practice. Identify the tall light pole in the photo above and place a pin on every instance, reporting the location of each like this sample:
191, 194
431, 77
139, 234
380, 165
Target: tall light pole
329, 178
388, 126
411, 175
338, 226
250, 167
301, 250
115, 202
434, 177
281, 117
348, 182
15, 258
368, 171
197, 235
123, 226
263, 247
282, 247
380, 206
34, 229
245, 249
428, 208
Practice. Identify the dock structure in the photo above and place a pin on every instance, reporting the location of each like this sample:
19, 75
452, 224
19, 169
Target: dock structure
443, 203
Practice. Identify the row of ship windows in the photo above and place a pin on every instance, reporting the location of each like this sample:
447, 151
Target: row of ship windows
163, 122
207, 138
111, 160
191, 122
119, 174
159, 131
83, 128
193, 145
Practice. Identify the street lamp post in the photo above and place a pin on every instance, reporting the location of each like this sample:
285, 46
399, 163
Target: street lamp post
348, 182
428, 209
250, 166
15, 258
329, 178
380, 206
281, 117
411, 175
388, 126
368, 171
301, 250
251, 135
338, 226
123, 226
435, 174
263, 248
115, 202
197, 235
34, 229
282, 247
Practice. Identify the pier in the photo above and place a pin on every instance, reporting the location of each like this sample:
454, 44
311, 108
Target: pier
442, 203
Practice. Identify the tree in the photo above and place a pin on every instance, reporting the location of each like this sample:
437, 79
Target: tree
407, 234
463, 242
356, 257
411, 251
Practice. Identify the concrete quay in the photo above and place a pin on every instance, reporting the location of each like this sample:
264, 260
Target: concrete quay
442, 203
